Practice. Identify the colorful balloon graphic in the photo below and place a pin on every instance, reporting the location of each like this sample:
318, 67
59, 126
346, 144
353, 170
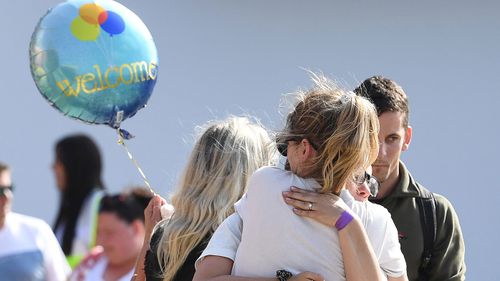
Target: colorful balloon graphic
85, 26
92, 12
113, 24
94, 60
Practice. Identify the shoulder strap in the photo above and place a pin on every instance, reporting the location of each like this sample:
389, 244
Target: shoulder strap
96, 201
427, 206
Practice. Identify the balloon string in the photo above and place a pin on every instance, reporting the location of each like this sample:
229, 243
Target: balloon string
121, 141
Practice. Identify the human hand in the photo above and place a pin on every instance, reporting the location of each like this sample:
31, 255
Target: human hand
307, 276
325, 208
93, 255
167, 210
87, 262
152, 214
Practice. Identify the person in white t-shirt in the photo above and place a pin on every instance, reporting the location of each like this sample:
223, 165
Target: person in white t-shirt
28, 248
329, 136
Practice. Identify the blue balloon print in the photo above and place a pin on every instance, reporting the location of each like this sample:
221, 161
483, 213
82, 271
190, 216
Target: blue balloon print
114, 24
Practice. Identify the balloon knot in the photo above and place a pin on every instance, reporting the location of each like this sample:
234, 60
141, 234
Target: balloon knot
124, 134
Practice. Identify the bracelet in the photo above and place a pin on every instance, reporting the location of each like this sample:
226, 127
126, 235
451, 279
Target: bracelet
283, 275
344, 219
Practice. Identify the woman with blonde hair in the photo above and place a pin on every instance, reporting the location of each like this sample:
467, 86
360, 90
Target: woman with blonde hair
330, 138
215, 177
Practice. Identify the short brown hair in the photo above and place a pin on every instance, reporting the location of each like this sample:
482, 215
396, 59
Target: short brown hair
386, 95
4, 167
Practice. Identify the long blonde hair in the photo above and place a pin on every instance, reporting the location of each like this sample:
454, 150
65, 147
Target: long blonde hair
223, 159
342, 127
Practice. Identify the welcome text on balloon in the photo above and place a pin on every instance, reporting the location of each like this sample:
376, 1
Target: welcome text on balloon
127, 73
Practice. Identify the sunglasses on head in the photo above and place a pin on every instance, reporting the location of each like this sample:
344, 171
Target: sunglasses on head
4, 189
371, 182
282, 146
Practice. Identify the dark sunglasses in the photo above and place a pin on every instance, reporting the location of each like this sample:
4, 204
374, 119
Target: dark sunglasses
371, 182
282, 146
3, 189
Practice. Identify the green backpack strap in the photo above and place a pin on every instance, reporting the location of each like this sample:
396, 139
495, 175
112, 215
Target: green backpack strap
427, 206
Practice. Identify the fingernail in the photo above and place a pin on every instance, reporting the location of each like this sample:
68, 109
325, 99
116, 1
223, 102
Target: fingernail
286, 193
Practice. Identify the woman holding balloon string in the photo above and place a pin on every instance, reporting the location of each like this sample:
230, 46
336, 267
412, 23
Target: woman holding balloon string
215, 177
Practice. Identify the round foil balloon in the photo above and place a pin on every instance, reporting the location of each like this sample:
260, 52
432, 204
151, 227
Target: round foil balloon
94, 60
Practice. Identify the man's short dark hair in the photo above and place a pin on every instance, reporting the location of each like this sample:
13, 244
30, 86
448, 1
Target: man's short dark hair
386, 95
4, 167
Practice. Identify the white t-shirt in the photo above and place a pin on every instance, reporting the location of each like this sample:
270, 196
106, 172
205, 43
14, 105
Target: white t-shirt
29, 251
376, 219
382, 233
275, 238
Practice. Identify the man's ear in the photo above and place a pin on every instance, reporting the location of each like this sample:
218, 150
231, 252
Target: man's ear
407, 140
307, 150
138, 227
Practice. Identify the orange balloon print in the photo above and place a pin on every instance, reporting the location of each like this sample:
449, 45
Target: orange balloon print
91, 12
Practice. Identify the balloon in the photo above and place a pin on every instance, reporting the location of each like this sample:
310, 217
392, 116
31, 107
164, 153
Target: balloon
94, 60
113, 24
84, 31
91, 12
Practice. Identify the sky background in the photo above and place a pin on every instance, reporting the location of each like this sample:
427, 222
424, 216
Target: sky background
239, 57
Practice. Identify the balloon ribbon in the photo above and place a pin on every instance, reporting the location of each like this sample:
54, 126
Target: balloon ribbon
124, 135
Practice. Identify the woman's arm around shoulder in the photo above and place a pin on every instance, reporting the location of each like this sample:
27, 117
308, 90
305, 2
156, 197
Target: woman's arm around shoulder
216, 268
359, 258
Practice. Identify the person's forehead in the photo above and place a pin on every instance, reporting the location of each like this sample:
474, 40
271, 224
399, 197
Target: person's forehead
5, 179
391, 121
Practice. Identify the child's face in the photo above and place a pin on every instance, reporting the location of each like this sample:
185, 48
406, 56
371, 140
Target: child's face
359, 192
362, 191
121, 241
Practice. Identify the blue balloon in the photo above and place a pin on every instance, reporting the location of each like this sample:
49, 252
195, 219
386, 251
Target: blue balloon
94, 60
114, 24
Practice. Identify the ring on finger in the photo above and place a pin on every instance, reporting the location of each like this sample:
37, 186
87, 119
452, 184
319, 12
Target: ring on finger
310, 206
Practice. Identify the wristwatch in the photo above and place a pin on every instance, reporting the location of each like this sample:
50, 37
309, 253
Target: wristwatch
283, 275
